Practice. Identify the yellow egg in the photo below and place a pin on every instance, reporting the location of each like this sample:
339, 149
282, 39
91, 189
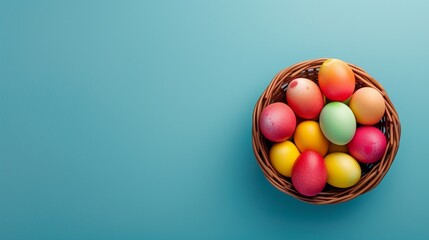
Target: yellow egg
337, 148
308, 136
283, 156
343, 170
367, 105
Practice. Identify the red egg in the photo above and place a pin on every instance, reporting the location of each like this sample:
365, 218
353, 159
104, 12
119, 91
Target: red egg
305, 98
336, 80
277, 122
309, 173
368, 144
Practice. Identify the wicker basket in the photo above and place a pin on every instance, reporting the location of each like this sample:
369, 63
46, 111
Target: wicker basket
372, 174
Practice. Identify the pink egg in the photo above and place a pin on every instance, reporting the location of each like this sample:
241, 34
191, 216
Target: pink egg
305, 98
309, 173
368, 144
277, 122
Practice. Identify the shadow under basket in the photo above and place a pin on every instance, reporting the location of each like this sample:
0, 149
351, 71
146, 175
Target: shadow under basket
372, 174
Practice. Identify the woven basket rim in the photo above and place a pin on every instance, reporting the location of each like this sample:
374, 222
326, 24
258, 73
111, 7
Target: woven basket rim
390, 125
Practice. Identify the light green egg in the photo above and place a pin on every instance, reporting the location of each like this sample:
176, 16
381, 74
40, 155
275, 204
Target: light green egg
338, 123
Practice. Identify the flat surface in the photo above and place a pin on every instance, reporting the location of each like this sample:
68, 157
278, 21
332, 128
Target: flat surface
132, 119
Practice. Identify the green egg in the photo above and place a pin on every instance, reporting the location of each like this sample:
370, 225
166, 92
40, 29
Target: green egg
338, 123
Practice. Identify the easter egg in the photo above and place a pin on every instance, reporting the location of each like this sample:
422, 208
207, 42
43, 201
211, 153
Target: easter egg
283, 156
368, 145
337, 148
343, 170
305, 98
336, 80
277, 122
337, 123
308, 136
368, 106
309, 173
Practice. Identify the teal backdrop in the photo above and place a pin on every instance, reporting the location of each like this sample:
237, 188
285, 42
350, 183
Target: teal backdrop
132, 119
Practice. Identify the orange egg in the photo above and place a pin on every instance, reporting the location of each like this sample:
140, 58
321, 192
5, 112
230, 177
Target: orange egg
309, 136
336, 80
367, 105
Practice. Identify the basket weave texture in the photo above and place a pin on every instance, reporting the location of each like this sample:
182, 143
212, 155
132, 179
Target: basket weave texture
372, 174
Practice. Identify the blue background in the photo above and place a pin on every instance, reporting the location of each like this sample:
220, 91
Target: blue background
132, 119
